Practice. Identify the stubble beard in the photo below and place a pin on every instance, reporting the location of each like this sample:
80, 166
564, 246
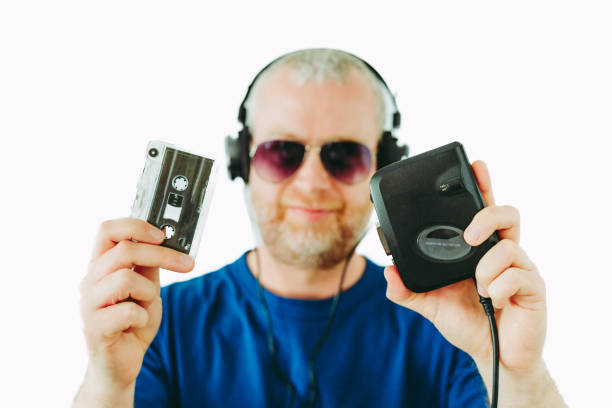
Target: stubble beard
312, 245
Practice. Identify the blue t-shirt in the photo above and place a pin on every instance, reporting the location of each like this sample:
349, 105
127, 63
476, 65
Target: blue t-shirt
211, 349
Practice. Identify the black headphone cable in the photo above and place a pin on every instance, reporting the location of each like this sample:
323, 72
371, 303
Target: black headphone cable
271, 345
490, 312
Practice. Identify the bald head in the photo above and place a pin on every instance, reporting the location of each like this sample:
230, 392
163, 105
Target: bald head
318, 66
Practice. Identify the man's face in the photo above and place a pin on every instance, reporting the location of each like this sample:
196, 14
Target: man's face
313, 113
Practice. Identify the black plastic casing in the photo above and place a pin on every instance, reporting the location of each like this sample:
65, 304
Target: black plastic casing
434, 188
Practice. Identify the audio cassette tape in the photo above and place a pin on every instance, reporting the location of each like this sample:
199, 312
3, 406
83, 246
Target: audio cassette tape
174, 194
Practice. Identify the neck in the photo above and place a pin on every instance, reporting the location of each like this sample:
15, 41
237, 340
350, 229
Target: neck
289, 281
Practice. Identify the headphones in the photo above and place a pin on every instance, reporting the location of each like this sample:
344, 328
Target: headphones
237, 149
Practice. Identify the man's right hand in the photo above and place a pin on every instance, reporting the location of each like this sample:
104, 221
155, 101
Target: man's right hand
121, 306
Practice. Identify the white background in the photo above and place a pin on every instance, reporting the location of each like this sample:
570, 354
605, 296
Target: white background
525, 86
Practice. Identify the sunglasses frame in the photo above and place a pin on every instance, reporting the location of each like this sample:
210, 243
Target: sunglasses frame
307, 148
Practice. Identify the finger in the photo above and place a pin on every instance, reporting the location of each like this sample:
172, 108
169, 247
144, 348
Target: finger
109, 322
127, 254
504, 218
113, 231
484, 181
517, 285
154, 310
121, 285
149, 272
503, 255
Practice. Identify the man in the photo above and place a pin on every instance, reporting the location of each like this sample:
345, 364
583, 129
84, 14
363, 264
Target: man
268, 329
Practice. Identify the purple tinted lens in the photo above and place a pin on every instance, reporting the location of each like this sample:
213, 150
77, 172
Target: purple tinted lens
348, 162
277, 160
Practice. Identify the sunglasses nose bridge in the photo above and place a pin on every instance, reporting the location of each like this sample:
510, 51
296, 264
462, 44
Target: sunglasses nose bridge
308, 147
316, 150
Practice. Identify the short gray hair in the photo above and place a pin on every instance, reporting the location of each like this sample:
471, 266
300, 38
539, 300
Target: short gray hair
319, 64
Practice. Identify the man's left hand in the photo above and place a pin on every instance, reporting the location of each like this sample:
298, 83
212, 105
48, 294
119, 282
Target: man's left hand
506, 275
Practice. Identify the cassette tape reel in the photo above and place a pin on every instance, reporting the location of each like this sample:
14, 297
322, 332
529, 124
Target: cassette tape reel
174, 194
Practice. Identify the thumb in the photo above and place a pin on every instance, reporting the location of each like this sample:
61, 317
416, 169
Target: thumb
398, 293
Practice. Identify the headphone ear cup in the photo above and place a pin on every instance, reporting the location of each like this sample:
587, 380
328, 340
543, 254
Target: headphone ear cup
389, 151
232, 154
244, 140
237, 154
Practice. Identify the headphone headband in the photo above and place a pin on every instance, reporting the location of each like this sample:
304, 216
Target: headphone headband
396, 118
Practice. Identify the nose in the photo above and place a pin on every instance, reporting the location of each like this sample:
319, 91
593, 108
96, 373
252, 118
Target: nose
312, 173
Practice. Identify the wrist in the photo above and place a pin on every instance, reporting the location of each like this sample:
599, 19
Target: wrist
522, 388
100, 391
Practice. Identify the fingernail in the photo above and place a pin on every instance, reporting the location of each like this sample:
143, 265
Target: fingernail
157, 234
186, 260
472, 234
482, 291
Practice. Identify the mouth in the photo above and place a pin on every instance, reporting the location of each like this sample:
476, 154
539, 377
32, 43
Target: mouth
310, 214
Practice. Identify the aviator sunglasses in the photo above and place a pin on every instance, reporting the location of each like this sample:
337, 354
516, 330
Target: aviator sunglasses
346, 161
